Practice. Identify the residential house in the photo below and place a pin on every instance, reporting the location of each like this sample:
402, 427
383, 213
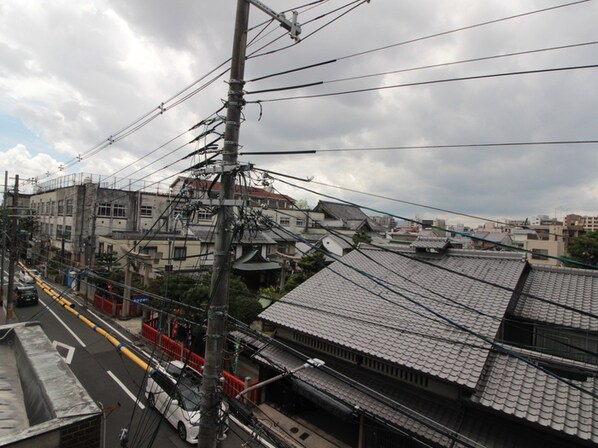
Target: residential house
491, 240
541, 252
422, 348
346, 216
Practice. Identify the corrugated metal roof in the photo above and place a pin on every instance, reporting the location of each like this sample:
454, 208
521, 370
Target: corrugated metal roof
511, 386
350, 309
576, 288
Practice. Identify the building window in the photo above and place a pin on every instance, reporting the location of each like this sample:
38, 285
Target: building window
60, 207
47, 211
300, 222
69, 207
180, 253
52, 205
58, 231
204, 215
104, 209
51, 229
145, 211
67, 232
149, 250
285, 221
282, 249
539, 254
119, 211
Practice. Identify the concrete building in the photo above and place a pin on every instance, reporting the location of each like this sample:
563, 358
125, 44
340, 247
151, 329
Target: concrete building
42, 403
541, 250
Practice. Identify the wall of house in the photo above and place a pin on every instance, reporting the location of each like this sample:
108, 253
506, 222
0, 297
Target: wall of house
544, 247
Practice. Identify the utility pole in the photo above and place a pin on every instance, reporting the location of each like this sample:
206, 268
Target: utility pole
217, 312
4, 230
14, 254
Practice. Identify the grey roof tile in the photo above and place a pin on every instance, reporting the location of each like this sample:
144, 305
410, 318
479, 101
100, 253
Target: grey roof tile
539, 398
575, 288
405, 408
350, 309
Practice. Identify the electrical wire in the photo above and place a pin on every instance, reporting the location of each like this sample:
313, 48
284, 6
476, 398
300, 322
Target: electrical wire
411, 84
422, 67
456, 232
451, 321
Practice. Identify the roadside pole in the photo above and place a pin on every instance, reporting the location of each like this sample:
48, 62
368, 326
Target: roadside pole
14, 255
211, 386
4, 230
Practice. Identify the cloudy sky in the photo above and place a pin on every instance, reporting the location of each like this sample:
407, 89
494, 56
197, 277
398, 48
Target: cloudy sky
74, 75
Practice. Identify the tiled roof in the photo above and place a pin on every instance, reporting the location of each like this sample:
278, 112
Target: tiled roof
406, 408
516, 388
430, 243
492, 237
350, 309
341, 211
575, 288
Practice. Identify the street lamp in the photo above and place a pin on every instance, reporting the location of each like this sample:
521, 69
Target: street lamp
312, 362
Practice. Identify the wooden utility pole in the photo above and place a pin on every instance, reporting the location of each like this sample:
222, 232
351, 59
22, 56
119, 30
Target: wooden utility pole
211, 386
14, 254
4, 230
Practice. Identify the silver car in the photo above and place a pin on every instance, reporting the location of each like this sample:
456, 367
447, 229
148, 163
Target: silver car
173, 390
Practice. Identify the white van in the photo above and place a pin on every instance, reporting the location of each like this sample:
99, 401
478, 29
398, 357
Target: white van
173, 390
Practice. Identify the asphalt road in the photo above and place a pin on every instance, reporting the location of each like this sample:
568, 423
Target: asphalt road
110, 377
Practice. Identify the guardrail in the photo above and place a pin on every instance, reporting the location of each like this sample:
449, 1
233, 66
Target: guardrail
232, 385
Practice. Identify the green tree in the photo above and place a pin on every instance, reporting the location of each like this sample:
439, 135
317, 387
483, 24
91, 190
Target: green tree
107, 260
361, 237
585, 248
308, 266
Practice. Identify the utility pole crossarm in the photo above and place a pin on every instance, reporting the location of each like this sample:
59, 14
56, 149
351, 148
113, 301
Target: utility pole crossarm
291, 26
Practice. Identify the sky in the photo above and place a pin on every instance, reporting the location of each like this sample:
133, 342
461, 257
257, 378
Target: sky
75, 78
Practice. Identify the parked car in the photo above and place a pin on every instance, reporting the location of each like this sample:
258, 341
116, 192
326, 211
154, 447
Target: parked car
173, 390
26, 295
25, 278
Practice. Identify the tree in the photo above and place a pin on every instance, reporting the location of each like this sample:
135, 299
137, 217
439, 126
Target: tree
107, 260
308, 266
585, 248
302, 204
361, 237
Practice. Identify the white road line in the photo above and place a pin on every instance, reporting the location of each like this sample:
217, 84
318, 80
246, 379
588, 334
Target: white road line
114, 330
127, 391
63, 324
106, 324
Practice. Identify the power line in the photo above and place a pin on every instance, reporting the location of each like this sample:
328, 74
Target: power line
414, 84
501, 245
423, 67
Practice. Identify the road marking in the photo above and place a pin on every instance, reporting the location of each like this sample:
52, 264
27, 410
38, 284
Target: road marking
114, 330
63, 324
127, 391
70, 351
